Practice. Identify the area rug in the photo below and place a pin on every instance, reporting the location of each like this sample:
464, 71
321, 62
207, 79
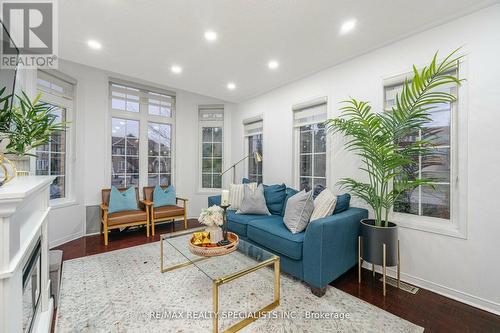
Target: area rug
124, 291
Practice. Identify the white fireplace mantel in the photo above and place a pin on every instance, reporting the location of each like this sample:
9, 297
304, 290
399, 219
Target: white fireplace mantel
24, 208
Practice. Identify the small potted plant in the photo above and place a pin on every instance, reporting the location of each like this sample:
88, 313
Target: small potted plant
213, 218
381, 142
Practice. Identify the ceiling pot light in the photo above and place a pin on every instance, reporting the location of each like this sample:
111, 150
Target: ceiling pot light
93, 44
347, 26
210, 35
231, 86
273, 64
176, 69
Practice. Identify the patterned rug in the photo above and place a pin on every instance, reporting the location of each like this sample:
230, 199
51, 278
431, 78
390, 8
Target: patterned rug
124, 291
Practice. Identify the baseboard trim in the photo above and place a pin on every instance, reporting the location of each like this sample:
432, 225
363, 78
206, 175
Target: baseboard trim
65, 239
454, 294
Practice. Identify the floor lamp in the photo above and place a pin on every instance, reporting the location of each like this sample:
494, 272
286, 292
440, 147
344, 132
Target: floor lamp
257, 157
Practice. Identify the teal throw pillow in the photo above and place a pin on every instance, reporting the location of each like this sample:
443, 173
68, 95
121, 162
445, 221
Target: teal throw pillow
164, 197
122, 201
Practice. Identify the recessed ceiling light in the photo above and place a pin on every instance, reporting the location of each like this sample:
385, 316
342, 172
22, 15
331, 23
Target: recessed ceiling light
273, 64
347, 26
176, 69
231, 86
93, 44
210, 35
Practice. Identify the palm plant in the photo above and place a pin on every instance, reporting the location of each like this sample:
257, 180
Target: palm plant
28, 125
381, 139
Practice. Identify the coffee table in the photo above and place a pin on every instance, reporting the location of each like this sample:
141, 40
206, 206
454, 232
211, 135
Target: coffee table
248, 258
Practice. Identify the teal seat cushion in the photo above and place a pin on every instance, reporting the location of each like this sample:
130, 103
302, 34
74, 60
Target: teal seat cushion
274, 235
342, 204
164, 197
237, 223
121, 201
275, 198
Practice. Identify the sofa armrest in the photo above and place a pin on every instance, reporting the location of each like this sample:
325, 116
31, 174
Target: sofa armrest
331, 245
214, 200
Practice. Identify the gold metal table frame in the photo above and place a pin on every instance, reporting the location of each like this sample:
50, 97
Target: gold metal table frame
216, 283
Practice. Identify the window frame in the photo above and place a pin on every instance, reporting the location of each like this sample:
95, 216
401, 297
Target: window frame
296, 139
144, 118
456, 225
68, 103
210, 123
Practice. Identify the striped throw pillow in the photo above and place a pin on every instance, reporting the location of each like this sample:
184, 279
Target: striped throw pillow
324, 204
236, 192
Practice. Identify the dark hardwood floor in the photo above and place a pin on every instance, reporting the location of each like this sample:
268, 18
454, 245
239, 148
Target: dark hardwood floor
434, 312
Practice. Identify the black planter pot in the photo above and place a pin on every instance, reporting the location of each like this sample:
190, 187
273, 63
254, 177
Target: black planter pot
373, 240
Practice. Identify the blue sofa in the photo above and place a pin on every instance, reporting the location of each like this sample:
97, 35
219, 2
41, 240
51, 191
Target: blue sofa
318, 255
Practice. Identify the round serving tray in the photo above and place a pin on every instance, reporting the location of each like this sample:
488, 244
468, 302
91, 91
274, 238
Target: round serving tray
212, 251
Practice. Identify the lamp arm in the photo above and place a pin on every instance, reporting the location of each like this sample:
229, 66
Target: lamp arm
235, 164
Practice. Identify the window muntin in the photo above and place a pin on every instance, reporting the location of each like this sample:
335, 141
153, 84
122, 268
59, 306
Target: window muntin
124, 98
51, 157
312, 156
254, 167
425, 200
124, 152
159, 154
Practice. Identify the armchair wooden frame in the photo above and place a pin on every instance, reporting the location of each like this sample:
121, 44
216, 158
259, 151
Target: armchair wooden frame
149, 201
170, 218
105, 226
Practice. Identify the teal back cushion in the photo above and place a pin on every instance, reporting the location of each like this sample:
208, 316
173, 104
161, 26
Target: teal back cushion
164, 197
121, 201
289, 192
342, 204
275, 198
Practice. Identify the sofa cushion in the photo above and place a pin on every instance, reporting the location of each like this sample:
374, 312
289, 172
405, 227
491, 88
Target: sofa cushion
254, 201
272, 233
238, 222
342, 204
290, 192
275, 198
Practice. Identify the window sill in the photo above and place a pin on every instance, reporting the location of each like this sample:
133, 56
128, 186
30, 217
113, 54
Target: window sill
62, 203
431, 225
206, 191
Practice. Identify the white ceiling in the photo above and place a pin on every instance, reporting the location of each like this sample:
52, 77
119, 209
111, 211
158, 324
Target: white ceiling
145, 38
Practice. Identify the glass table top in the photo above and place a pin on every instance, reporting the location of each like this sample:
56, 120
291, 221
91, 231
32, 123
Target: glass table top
176, 252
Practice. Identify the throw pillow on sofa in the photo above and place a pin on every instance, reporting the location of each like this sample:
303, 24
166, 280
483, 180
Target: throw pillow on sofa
343, 201
122, 201
298, 211
236, 192
324, 204
289, 193
253, 201
275, 198
164, 197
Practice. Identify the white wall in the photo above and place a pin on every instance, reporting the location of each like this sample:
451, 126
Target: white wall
465, 269
92, 125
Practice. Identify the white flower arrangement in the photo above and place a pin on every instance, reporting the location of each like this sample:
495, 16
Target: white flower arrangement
212, 216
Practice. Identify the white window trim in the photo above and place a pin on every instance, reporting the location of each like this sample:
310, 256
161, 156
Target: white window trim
456, 226
245, 142
296, 141
209, 123
143, 117
70, 156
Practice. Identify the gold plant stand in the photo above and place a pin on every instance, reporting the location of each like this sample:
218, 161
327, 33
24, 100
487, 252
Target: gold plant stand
384, 266
217, 282
7, 177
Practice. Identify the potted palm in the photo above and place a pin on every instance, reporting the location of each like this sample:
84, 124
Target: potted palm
27, 125
381, 141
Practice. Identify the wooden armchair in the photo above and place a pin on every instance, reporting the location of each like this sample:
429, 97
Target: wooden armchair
164, 213
125, 218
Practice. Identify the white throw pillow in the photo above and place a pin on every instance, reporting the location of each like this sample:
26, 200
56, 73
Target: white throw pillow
324, 204
236, 192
